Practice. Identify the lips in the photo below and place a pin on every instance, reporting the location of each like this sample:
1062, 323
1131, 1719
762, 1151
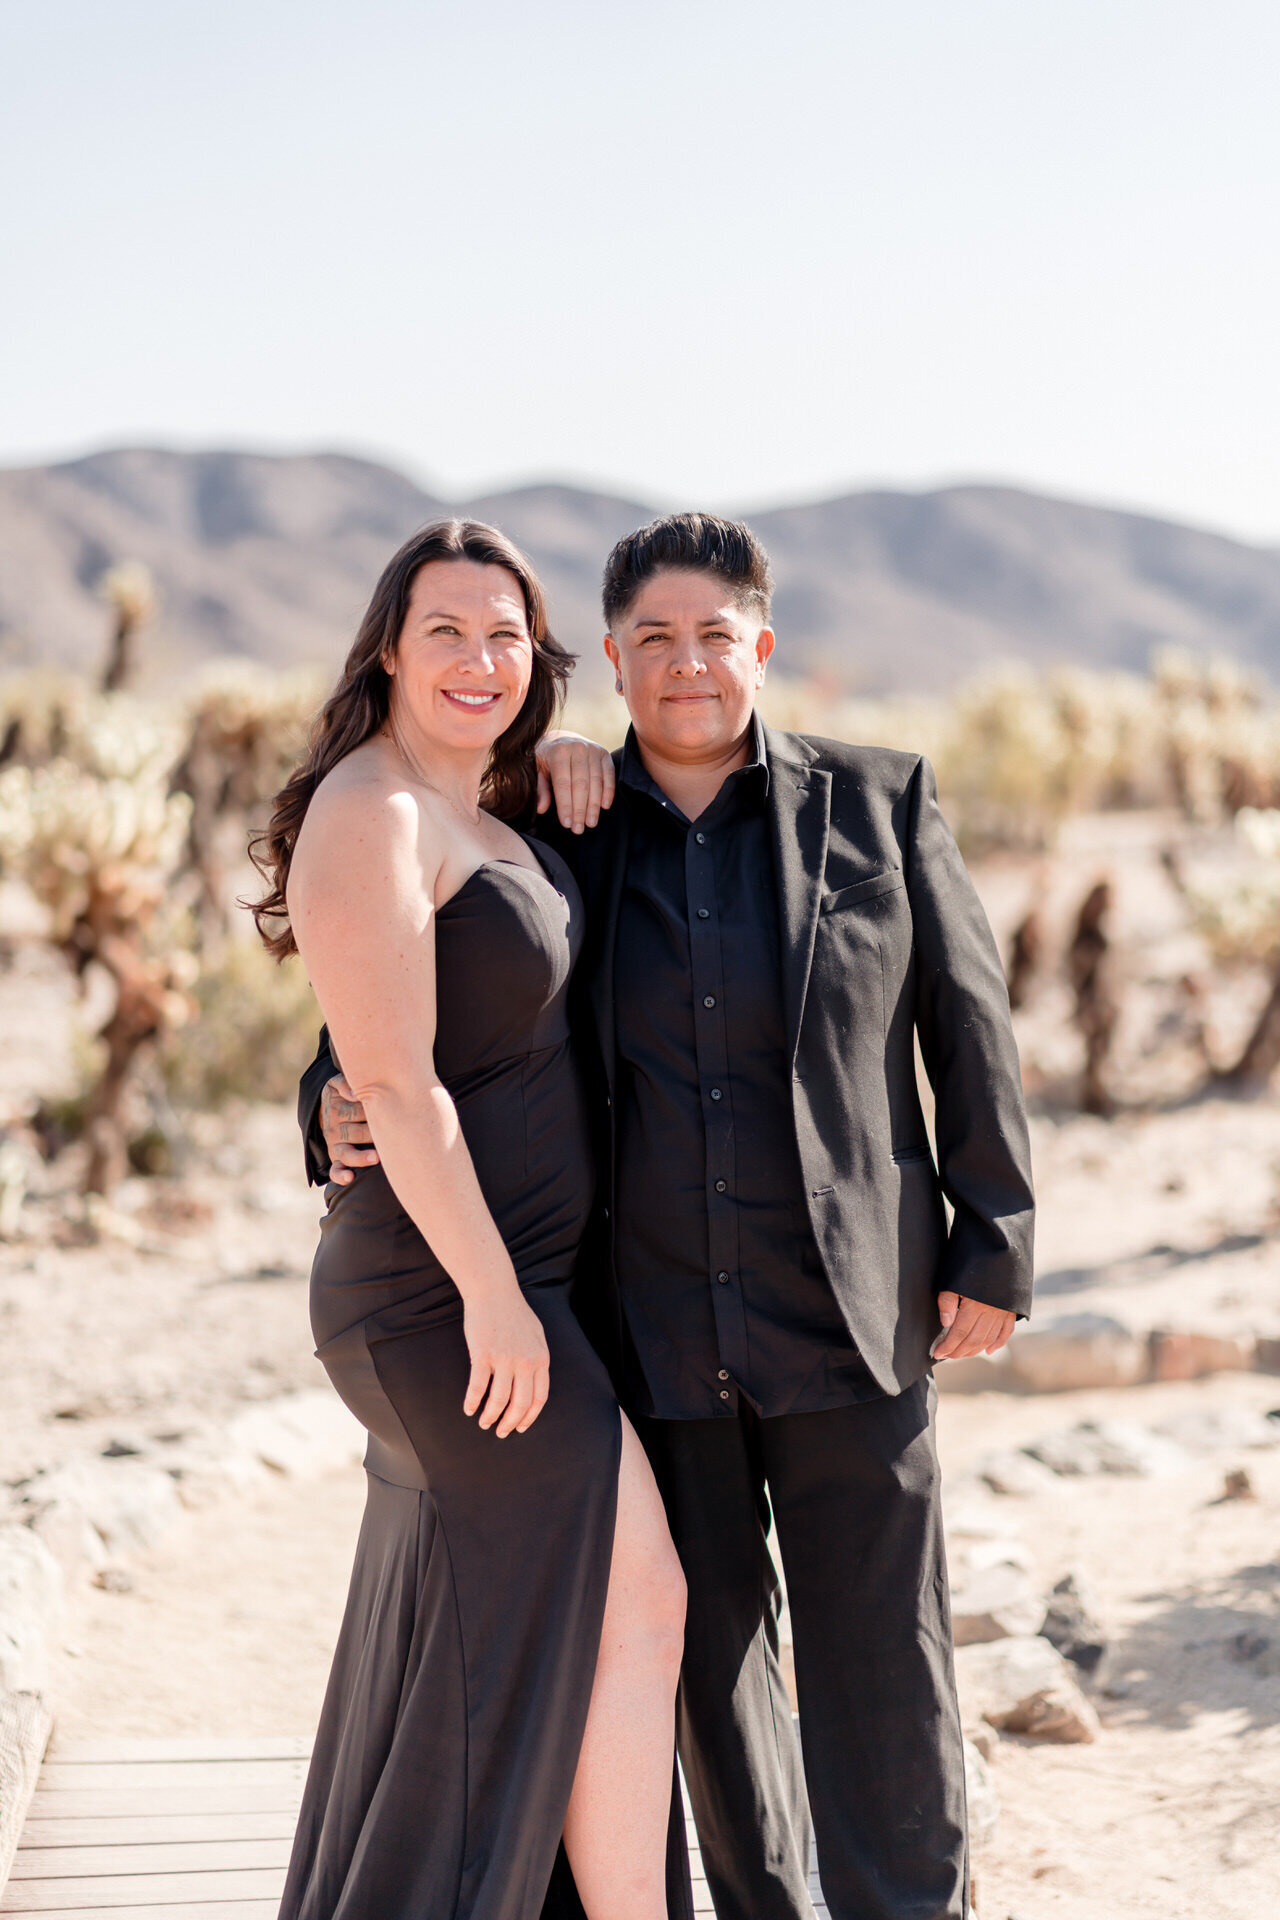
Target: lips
471, 702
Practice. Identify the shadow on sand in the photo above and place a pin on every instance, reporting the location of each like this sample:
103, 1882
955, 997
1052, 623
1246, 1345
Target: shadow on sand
1212, 1647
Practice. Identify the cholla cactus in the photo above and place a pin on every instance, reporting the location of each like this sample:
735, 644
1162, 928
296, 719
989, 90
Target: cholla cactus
41, 713
129, 590
1241, 922
246, 731
100, 853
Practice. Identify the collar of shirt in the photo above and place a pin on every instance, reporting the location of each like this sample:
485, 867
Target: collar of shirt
747, 781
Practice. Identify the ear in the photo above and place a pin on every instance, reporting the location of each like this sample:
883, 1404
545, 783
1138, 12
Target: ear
765, 641
611, 648
388, 662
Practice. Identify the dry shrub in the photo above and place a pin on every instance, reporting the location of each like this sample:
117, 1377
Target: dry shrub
253, 1033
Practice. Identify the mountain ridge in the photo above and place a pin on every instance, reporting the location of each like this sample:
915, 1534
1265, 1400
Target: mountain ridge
273, 556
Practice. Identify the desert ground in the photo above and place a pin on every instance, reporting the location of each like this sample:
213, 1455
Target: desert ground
185, 1299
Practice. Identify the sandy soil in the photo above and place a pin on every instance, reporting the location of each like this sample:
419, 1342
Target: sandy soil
193, 1302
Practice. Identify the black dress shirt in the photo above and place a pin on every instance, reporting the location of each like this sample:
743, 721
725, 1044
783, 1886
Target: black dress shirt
722, 1287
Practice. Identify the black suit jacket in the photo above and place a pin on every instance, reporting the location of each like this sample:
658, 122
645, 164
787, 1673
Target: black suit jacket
883, 940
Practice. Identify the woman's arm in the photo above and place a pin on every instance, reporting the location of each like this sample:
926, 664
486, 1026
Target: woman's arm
360, 903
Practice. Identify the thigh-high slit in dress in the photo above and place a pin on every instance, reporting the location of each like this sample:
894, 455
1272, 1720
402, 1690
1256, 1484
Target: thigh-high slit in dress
455, 1709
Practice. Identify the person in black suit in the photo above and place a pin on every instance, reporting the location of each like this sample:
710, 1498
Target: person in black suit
774, 921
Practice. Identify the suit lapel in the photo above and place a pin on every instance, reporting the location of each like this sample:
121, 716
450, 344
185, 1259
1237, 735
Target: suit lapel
799, 821
606, 898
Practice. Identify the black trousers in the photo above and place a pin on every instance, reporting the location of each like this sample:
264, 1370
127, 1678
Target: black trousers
854, 1497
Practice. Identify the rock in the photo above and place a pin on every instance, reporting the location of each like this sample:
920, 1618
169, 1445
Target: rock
1024, 1686
25, 1724
1178, 1355
970, 1513
1076, 1350
31, 1597
1214, 1429
1107, 1446
127, 1504
1071, 1626
994, 1603
985, 1373
308, 1432
205, 1468
980, 1792
113, 1580
1013, 1472
1256, 1650
976, 1555
1236, 1485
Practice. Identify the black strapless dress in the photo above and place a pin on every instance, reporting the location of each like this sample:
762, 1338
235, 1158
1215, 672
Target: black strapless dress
455, 1710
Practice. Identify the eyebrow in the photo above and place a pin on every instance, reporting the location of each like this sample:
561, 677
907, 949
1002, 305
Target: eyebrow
441, 613
718, 620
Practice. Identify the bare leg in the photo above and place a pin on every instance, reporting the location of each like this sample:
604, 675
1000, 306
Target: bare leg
616, 1831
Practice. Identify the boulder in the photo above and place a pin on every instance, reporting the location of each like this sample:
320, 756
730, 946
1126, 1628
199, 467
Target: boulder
1107, 1446
1010, 1471
1179, 1355
985, 1373
1024, 1686
307, 1432
31, 1598
126, 1503
994, 1603
30, 1610
1222, 1429
1076, 1350
1071, 1625
981, 1795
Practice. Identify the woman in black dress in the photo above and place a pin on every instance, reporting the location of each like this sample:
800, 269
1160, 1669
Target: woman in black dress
507, 1665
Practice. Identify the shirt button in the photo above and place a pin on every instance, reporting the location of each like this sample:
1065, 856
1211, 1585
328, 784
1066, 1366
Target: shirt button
724, 1393
722, 1374
722, 1277
701, 839
715, 1093
704, 913
708, 999
721, 1186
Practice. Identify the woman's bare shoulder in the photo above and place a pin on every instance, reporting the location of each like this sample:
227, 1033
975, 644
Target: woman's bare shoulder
365, 809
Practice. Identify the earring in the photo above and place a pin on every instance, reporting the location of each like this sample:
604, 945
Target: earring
617, 685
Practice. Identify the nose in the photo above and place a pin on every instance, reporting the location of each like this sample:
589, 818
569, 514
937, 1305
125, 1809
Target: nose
476, 657
687, 661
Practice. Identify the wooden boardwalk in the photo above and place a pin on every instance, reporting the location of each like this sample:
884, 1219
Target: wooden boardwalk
175, 1830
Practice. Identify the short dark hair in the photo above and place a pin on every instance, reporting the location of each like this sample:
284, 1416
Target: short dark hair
689, 543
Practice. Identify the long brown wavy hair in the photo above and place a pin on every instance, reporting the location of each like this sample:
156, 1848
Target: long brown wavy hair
359, 704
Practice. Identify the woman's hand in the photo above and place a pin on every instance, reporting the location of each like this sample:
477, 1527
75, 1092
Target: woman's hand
509, 1357
578, 774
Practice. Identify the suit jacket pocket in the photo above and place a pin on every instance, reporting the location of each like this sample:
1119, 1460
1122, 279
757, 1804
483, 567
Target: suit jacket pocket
886, 882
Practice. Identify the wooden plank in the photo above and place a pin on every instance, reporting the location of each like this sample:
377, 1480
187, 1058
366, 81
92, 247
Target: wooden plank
183, 1910
187, 1747
105, 1803
109, 1891
167, 1856
138, 1829
191, 1774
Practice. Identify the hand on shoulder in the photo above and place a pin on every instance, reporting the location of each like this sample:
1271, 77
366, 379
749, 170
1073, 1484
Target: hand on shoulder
578, 774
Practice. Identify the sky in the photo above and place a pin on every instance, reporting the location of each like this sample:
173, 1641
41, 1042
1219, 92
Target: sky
698, 253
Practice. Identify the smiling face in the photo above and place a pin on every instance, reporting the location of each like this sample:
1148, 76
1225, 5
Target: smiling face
464, 659
691, 661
